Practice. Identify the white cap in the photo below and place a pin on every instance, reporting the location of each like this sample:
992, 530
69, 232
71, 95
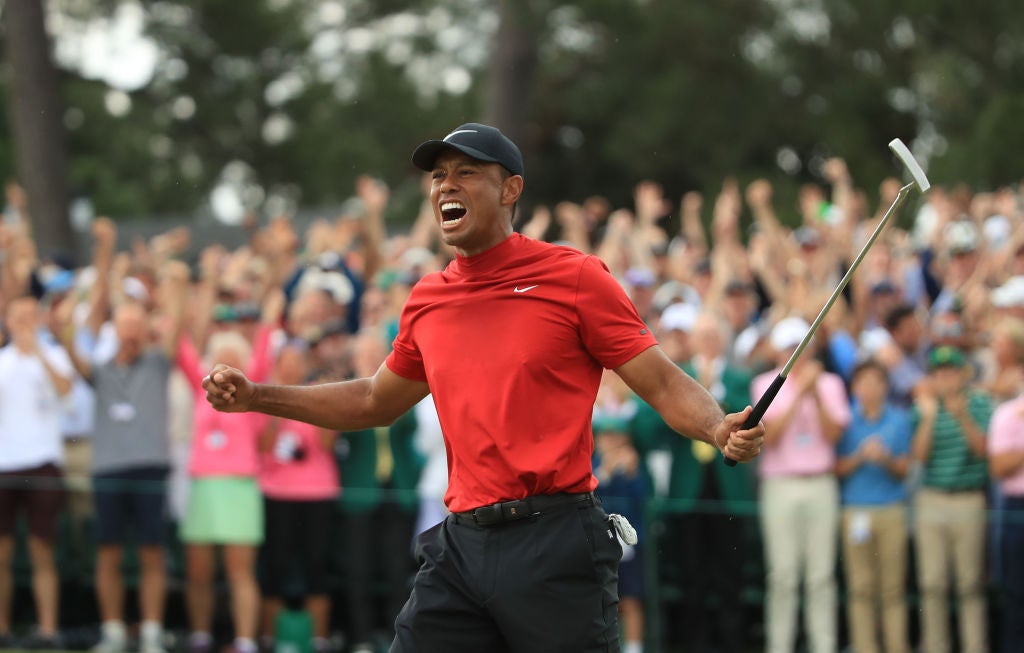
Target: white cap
671, 292
679, 317
788, 333
417, 257
873, 339
1010, 294
997, 230
960, 235
333, 282
134, 288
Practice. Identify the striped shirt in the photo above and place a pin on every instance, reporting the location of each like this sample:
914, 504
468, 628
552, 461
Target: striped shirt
952, 465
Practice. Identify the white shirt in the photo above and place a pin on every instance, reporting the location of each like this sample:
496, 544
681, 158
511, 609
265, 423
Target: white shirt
30, 408
429, 441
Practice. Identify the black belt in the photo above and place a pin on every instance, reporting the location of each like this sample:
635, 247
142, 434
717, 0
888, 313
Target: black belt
506, 511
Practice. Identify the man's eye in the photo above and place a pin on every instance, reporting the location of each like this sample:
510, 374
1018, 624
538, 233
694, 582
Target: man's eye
437, 174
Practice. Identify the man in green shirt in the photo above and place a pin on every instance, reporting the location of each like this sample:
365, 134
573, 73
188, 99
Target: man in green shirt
709, 507
950, 422
379, 470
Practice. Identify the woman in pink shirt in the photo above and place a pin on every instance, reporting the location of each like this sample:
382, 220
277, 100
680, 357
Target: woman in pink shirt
299, 480
1006, 464
224, 505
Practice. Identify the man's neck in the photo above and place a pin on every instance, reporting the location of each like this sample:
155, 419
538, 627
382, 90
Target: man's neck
872, 410
122, 359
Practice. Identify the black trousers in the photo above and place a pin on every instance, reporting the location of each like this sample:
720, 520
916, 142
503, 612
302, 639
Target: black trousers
1013, 573
377, 545
710, 549
545, 584
296, 534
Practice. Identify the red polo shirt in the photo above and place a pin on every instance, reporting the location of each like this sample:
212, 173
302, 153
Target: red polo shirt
512, 343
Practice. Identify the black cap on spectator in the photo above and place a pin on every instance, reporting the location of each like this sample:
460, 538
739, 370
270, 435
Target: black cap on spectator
896, 315
738, 287
883, 287
481, 142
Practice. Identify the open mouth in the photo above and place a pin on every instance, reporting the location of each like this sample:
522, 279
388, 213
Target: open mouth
452, 213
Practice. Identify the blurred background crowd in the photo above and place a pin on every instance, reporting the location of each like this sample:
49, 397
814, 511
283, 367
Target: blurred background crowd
264, 214
883, 501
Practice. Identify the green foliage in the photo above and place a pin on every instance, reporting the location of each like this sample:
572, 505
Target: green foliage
685, 93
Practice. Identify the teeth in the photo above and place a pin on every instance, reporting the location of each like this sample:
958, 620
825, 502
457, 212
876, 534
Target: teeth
451, 206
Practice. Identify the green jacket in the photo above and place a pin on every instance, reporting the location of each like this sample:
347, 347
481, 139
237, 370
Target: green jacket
357, 462
687, 473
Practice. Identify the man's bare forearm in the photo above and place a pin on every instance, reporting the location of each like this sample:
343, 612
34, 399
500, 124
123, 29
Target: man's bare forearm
339, 406
684, 404
362, 403
691, 410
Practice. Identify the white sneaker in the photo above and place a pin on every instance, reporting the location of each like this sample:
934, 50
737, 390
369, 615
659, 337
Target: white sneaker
110, 644
151, 647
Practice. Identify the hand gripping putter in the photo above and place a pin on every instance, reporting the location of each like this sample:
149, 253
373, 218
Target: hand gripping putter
921, 181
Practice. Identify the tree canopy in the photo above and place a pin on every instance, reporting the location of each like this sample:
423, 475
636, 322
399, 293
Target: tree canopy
282, 103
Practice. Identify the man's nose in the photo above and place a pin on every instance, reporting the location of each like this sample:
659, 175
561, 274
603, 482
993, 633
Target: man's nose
448, 184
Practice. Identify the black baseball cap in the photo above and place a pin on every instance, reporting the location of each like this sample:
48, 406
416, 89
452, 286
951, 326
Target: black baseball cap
481, 142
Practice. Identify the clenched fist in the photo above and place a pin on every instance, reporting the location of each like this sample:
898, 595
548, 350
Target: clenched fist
228, 389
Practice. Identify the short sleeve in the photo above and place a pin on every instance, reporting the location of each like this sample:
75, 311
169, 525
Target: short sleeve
59, 361
610, 327
835, 399
405, 358
1004, 428
980, 408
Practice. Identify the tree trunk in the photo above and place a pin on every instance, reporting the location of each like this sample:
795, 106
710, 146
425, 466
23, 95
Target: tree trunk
513, 70
37, 125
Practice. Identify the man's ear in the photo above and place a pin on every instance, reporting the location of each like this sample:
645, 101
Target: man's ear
511, 189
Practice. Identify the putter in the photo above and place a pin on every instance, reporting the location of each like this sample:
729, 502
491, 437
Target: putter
919, 180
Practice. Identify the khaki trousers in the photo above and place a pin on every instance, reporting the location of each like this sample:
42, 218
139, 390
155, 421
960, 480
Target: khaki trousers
800, 519
78, 477
950, 535
875, 562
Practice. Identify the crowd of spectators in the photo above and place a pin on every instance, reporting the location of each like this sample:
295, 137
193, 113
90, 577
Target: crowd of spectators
892, 472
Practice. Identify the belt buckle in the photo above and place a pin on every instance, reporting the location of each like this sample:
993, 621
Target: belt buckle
488, 515
513, 510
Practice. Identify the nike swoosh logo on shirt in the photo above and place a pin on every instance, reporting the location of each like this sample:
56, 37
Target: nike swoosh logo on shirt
518, 289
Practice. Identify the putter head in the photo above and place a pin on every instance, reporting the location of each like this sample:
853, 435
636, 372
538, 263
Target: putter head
910, 163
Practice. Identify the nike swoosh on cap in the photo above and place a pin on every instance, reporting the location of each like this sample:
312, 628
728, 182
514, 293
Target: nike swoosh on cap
459, 131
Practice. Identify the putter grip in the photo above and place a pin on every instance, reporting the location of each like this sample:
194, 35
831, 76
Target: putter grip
758, 411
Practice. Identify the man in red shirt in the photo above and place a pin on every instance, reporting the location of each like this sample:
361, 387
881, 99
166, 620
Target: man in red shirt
510, 339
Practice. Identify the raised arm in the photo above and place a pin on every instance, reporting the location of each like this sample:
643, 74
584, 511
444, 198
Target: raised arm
928, 409
687, 407
175, 278
210, 261
104, 233
374, 194
19, 257
362, 403
691, 227
25, 336
66, 336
